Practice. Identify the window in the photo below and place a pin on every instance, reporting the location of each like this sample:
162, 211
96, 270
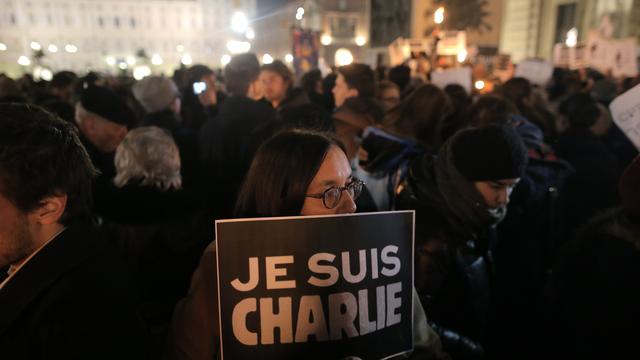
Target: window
565, 20
32, 19
49, 20
13, 19
100, 22
132, 22
116, 22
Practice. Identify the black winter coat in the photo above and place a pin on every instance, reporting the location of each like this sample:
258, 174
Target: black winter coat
160, 236
72, 300
593, 295
593, 186
227, 145
453, 273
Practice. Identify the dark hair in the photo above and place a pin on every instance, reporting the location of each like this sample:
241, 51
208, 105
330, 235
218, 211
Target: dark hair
383, 85
420, 115
309, 80
581, 110
281, 172
241, 71
516, 90
401, 75
359, 77
63, 79
281, 69
491, 109
40, 156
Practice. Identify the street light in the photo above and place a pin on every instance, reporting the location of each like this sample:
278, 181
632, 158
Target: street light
479, 85
156, 59
572, 37
225, 59
300, 13
267, 59
131, 60
239, 22
35, 46
238, 47
250, 34
110, 60
288, 58
186, 60
361, 40
52, 48
326, 39
343, 57
71, 48
462, 55
3, 47
24, 61
438, 16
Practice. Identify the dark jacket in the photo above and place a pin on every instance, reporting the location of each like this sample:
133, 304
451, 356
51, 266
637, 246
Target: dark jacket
185, 139
160, 236
296, 111
227, 145
593, 296
72, 300
593, 185
453, 261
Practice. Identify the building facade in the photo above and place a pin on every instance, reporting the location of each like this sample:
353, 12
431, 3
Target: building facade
114, 35
532, 27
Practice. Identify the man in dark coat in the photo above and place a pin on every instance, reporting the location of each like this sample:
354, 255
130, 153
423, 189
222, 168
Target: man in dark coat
64, 296
459, 196
103, 119
593, 294
592, 187
160, 99
228, 142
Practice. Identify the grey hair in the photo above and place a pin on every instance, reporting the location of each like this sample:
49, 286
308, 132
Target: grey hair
148, 155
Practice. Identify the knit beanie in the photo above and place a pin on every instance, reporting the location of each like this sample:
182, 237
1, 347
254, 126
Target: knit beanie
155, 93
629, 189
108, 105
492, 152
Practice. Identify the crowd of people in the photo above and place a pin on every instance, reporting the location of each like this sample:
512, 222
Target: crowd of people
527, 200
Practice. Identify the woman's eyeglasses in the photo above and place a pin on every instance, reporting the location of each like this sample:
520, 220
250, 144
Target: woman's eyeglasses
332, 196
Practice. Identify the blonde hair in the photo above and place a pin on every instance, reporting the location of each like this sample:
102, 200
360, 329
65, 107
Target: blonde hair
150, 156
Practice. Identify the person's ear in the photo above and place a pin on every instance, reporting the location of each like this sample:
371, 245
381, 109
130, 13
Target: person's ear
50, 210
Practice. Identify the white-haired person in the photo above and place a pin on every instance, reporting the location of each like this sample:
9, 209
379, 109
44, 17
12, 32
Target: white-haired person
155, 224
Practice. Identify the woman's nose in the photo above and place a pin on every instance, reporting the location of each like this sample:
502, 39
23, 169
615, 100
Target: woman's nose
347, 205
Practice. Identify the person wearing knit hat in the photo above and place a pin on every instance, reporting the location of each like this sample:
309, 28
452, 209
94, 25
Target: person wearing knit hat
157, 93
459, 196
103, 119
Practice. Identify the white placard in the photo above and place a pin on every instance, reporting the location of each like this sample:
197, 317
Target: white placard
452, 42
537, 71
460, 76
625, 110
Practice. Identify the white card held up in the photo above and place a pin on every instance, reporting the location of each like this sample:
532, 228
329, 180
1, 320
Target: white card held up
625, 110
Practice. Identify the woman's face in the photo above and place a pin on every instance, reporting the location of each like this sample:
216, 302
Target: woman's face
334, 171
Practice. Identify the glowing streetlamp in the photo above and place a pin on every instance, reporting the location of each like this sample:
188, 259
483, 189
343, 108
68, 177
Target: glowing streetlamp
250, 34
71, 49
52, 48
462, 56
156, 59
438, 16
479, 85
326, 39
343, 57
186, 60
238, 47
225, 59
361, 40
288, 58
572, 37
110, 60
35, 46
24, 61
239, 22
3, 47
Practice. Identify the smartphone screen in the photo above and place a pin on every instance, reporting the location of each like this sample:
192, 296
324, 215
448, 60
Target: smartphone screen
199, 87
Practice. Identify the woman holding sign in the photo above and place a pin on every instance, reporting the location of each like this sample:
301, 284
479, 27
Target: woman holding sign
294, 173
